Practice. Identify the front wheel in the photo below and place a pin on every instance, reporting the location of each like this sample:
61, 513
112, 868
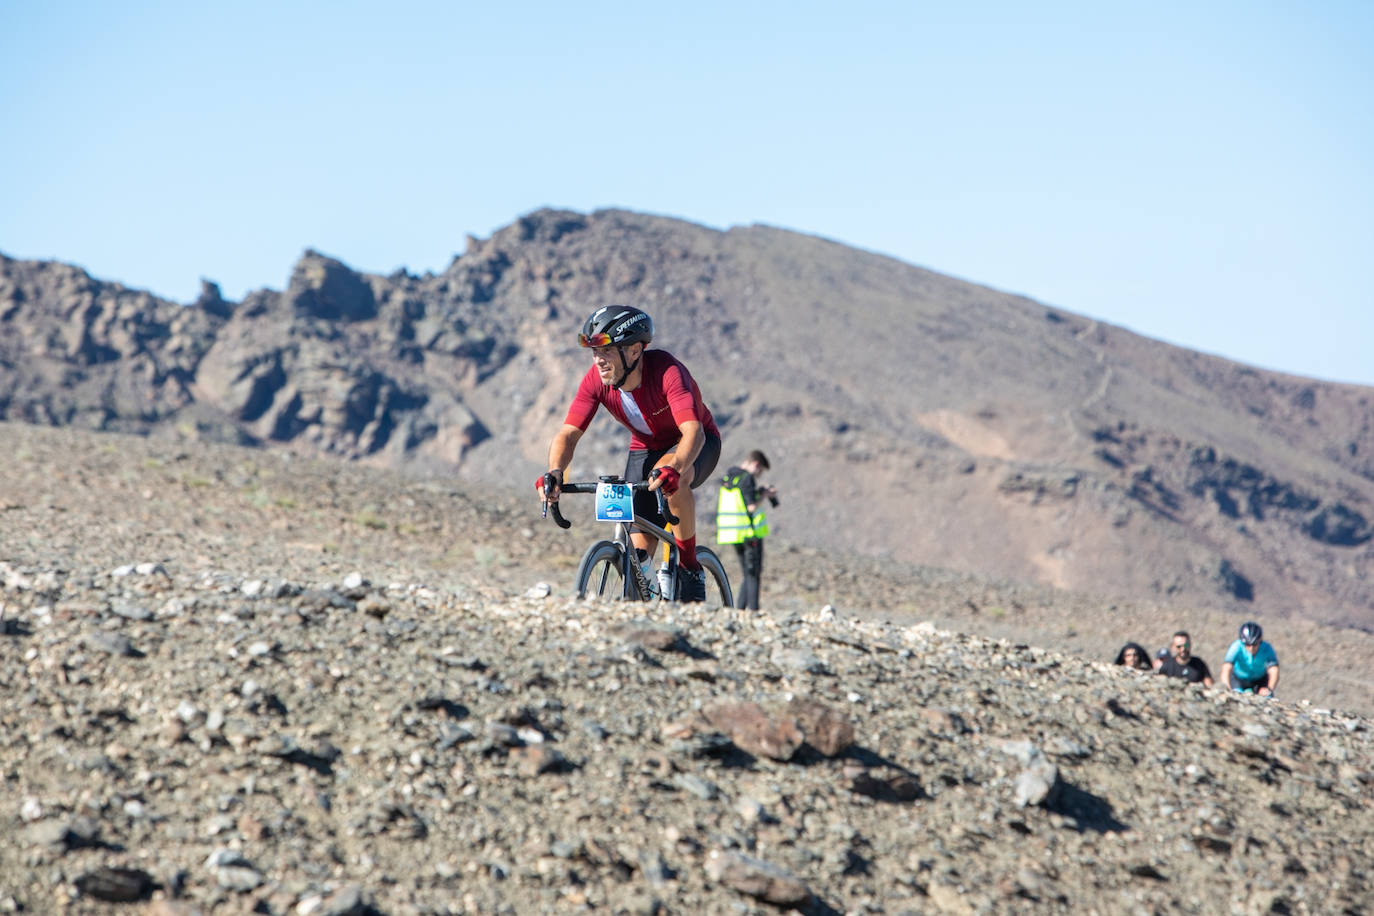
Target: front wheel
601, 574
717, 582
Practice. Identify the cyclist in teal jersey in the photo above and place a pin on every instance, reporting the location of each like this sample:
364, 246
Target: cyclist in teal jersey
1251, 663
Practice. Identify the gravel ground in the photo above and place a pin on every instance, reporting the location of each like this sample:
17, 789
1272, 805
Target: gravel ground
243, 682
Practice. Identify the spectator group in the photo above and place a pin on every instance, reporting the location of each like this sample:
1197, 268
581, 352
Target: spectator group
1251, 665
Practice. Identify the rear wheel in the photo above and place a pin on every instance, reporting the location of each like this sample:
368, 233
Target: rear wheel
601, 573
717, 582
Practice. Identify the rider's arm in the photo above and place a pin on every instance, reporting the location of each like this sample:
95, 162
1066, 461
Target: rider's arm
1226, 674
684, 453
689, 446
562, 447
1273, 672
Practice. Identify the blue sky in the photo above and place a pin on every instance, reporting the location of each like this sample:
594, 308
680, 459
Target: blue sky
1201, 173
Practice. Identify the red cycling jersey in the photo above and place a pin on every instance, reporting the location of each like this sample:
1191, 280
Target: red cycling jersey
667, 397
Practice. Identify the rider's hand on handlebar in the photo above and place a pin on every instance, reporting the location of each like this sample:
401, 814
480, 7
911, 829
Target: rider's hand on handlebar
548, 486
666, 479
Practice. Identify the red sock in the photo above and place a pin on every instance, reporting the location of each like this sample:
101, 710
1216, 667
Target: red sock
687, 554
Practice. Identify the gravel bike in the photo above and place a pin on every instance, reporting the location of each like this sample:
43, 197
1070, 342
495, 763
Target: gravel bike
609, 568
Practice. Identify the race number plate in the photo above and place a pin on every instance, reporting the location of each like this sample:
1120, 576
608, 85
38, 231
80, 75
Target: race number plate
614, 503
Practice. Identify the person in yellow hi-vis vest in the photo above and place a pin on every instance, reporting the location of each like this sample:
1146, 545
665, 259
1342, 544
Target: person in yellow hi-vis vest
741, 520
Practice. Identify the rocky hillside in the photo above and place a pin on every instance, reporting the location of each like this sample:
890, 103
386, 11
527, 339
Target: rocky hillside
241, 681
1029, 443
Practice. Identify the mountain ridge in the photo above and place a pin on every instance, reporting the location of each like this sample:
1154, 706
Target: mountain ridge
1019, 439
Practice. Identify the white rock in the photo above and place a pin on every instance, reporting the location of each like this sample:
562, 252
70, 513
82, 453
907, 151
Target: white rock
220, 823
1024, 751
238, 878
793, 659
750, 809
223, 857
1037, 783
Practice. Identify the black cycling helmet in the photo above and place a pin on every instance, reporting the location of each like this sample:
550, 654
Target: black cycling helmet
1250, 633
618, 325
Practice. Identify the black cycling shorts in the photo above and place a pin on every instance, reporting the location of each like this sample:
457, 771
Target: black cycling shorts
642, 461
1252, 683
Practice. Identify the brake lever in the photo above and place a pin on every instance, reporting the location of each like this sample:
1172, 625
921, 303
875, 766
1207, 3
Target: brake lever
557, 515
663, 507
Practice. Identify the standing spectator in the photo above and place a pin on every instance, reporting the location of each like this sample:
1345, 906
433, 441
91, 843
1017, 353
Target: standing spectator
741, 520
1181, 662
1133, 655
1159, 658
1251, 663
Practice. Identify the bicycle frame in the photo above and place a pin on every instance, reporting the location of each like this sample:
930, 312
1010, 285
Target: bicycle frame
634, 586
630, 571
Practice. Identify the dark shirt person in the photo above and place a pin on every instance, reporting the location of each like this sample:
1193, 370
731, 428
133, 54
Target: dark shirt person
1182, 663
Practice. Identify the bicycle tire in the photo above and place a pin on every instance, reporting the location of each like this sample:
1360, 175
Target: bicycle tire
717, 582
601, 573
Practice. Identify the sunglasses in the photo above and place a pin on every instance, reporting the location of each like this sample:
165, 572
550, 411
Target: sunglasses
594, 340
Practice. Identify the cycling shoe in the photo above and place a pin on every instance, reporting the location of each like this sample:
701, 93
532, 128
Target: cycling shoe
691, 584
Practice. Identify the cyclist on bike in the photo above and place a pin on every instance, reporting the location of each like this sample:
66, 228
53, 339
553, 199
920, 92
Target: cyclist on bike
1251, 663
672, 432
